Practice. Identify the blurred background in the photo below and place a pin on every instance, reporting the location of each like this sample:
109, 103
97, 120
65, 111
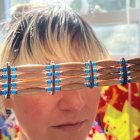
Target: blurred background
116, 22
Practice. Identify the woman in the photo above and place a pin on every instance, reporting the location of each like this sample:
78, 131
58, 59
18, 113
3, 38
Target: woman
44, 34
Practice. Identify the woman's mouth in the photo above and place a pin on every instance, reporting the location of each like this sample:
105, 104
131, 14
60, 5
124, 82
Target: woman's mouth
70, 126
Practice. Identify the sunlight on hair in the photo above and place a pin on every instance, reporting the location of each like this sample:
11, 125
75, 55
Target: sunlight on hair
49, 1
38, 37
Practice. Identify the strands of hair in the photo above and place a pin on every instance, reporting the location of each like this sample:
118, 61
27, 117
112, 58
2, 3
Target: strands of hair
51, 32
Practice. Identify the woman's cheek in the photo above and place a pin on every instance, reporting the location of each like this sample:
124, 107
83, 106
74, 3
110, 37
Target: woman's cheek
30, 107
92, 99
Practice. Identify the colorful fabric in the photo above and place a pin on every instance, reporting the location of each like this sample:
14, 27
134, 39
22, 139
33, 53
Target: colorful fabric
8, 128
120, 112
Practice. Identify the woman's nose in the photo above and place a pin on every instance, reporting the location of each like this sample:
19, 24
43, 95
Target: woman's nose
71, 101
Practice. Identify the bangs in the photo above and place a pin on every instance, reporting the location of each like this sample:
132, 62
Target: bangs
53, 34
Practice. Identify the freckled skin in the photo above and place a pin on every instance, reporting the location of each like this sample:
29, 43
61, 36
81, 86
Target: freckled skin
37, 114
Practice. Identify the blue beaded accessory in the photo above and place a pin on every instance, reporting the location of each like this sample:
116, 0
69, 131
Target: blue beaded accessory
54, 75
49, 74
5, 85
13, 91
49, 89
4, 77
4, 92
67, 76
8, 76
4, 69
48, 67
13, 69
90, 78
123, 71
57, 88
49, 82
86, 64
9, 80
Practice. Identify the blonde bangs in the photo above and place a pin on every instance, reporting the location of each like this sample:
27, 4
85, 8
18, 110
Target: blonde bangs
55, 34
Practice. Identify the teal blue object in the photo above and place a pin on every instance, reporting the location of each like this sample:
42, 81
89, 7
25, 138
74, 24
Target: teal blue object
57, 73
49, 82
57, 81
49, 74
56, 66
13, 91
13, 84
86, 64
121, 69
87, 71
87, 78
4, 92
49, 89
121, 75
88, 84
57, 88
93, 63
95, 84
121, 81
13, 76
48, 67
120, 62
4, 76
4, 69
13, 69
95, 77
94, 70
5, 85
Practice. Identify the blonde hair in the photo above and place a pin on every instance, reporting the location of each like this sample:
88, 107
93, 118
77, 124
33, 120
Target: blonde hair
50, 33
